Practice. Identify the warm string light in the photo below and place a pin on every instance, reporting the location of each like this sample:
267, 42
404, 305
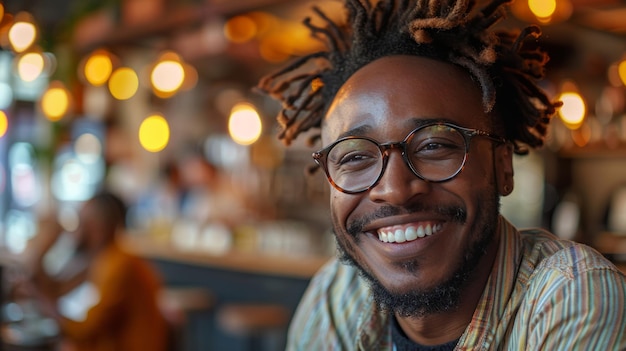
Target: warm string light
30, 66
55, 101
123, 83
97, 67
542, 11
4, 124
168, 75
621, 71
244, 124
154, 133
23, 32
277, 39
573, 111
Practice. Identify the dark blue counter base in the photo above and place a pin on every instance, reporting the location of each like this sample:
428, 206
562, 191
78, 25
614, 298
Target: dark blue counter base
202, 331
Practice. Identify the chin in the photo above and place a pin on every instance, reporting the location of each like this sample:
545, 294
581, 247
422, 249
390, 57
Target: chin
443, 296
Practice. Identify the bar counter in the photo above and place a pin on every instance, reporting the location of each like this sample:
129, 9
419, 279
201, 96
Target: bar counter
284, 264
231, 277
613, 246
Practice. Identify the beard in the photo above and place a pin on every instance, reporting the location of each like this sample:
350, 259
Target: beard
445, 296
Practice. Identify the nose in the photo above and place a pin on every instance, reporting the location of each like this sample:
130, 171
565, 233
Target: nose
398, 184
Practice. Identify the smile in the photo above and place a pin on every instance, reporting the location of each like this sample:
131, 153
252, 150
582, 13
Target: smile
409, 233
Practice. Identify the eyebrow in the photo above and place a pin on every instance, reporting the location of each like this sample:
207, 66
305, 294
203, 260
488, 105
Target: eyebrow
412, 123
358, 131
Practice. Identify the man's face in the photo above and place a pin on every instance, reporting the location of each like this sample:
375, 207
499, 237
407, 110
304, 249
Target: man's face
386, 100
90, 228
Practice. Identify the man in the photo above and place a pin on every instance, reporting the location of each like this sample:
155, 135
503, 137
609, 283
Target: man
421, 107
121, 290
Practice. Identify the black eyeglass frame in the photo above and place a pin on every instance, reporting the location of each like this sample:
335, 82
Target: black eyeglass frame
320, 157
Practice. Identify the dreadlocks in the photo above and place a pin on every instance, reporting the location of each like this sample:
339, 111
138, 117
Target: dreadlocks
446, 30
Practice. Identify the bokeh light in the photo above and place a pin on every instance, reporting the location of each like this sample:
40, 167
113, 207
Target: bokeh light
244, 124
30, 66
240, 29
154, 133
23, 32
55, 101
543, 11
264, 22
123, 83
542, 8
273, 48
4, 123
292, 39
168, 75
70, 181
98, 68
621, 69
573, 110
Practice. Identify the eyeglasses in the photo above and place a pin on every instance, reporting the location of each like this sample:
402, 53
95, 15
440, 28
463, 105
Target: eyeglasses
435, 152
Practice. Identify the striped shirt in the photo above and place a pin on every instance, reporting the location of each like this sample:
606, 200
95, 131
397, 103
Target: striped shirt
542, 294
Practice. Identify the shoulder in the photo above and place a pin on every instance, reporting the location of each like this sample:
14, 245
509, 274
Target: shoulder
117, 264
547, 254
574, 295
332, 306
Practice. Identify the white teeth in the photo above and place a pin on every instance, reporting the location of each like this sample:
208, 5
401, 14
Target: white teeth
383, 237
408, 234
411, 234
420, 232
400, 237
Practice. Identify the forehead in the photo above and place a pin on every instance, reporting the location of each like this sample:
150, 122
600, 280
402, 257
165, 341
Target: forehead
386, 98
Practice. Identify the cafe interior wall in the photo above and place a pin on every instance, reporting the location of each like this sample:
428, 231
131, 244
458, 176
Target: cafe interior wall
563, 172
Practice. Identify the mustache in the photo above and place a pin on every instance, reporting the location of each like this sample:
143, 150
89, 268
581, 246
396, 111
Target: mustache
454, 214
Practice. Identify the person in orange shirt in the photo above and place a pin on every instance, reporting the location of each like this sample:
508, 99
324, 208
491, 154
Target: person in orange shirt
121, 290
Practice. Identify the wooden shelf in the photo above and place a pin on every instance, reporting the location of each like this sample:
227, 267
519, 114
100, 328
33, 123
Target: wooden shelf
611, 243
175, 20
598, 150
613, 246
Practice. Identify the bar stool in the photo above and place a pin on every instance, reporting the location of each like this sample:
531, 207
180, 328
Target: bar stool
253, 322
177, 305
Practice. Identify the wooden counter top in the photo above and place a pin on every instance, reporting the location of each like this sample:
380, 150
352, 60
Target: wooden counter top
297, 266
613, 245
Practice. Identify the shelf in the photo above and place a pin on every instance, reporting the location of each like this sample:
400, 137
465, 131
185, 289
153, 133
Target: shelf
598, 150
174, 20
611, 243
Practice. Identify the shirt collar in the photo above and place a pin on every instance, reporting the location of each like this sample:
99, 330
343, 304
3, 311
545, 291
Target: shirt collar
493, 310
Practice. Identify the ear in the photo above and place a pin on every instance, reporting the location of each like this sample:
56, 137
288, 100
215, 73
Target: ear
504, 168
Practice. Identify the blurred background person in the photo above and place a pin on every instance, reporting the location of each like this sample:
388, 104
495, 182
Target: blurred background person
115, 307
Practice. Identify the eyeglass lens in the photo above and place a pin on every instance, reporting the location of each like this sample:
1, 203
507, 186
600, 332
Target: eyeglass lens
435, 153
